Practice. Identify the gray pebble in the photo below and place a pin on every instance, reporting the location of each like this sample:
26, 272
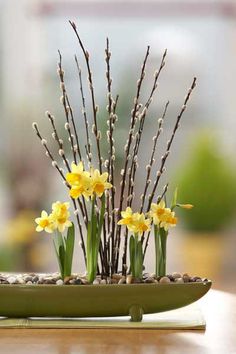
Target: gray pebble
35, 279
176, 275
150, 280
96, 281
186, 278
103, 281
27, 278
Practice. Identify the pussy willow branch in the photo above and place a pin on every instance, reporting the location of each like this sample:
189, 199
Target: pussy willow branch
127, 155
134, 159
96, 132
152, 160
66, 163
84, 112
64, 103
68, 110
58, 140
55, 165
111, 108
169, 143
111, 235
147, 182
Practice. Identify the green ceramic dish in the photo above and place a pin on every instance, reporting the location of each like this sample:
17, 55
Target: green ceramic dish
97, 300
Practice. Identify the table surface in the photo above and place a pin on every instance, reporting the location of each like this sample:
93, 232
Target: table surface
219, 309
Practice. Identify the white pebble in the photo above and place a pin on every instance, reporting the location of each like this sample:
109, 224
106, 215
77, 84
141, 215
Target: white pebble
11, 280
179, 280
59, 282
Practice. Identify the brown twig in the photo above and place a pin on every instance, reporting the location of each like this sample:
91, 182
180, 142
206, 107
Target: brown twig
134, 158
84, 112
68, 110
169, 143
65, 106
152, 160
96, 132
127, 155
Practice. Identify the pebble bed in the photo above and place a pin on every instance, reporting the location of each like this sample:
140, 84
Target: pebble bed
75, 279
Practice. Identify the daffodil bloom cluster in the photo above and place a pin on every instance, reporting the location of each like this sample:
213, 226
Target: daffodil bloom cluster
162, 216
57, 220
135, 222
86, 184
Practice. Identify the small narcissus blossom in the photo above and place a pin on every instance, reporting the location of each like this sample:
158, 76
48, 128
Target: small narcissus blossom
128, 218
60, 214
141, 224
135, 222
77, 174
80, 181
158, 211
45, 222
99, 182
83, 189
169, 220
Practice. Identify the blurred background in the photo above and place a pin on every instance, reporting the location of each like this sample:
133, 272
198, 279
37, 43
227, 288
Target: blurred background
201, 40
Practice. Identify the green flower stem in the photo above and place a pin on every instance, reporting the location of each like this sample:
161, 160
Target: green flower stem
157, 249
93, 239
64, 249
136, 256
162, 251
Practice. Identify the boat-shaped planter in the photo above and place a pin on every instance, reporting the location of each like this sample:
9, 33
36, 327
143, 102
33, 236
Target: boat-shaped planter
97, 300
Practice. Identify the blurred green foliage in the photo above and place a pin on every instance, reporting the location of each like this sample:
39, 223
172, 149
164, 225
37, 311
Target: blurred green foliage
208, 181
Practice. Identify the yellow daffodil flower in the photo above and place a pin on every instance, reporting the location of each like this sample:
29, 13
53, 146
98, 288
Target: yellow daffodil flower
60, 214
80, 181
157, 212
135, 222
127, 217
81, 190
99, 182
140, 224
45, 222
77, 174
169, 220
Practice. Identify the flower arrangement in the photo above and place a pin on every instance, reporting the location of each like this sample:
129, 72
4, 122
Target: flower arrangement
103, 202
